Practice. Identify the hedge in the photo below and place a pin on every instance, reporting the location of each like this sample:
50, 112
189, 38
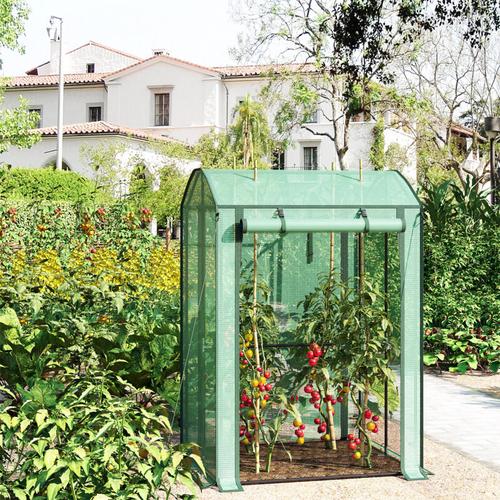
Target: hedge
45, 184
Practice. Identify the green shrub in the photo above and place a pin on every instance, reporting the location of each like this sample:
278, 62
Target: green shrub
461, 262
89, 437
46, 184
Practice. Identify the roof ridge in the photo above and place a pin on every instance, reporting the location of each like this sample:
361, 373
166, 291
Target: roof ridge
162, 57
90, 42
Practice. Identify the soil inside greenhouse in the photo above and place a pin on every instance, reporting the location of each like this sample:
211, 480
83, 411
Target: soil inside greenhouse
313, 461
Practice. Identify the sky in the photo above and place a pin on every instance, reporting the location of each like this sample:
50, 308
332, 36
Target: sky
200, 31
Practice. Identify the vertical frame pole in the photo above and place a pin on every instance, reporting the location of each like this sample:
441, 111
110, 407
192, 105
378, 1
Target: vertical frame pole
410, 247
386, 310
227, 351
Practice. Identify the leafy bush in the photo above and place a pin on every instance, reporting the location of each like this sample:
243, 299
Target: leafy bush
89, 331
461, 251
46, 184
81, 435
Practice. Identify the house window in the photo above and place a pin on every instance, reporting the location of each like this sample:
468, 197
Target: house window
162, 110
90, 67
312, 117
36, 109
310, 158
278, 160
95, 113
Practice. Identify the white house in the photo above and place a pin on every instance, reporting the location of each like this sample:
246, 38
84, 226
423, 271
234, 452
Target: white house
110, 95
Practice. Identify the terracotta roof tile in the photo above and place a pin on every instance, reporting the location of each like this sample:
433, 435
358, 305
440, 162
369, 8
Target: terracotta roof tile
53, 80
264, 69
102, 127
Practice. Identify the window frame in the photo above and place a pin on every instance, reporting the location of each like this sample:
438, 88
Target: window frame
39, 110
280, 164
315, 115
94, 105
310, 146
162, 116
88, 65
160, 89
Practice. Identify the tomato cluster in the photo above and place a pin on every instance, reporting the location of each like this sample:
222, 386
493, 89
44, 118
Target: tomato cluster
314, 354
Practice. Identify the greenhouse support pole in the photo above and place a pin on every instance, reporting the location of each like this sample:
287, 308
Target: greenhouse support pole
227, 352
411, 347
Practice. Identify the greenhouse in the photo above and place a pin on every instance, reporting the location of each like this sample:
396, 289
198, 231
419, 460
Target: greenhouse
302, 325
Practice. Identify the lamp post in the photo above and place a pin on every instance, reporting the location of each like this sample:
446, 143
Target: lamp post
492, 129
55, 35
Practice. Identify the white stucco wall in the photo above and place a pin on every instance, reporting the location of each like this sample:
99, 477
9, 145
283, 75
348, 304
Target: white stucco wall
131, 97
105, 60
43, 154
76, 100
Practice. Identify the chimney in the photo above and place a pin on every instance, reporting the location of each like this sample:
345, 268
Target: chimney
160, 52
54, 56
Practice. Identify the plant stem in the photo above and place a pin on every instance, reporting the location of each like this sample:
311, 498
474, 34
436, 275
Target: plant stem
269, 457
361, 428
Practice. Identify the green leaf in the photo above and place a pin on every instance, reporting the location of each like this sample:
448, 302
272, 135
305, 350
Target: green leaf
9, 319
20, 494
108, 452
65, 477
50, 457
473, 364
430, 359
40, 416
52, 490
80, 452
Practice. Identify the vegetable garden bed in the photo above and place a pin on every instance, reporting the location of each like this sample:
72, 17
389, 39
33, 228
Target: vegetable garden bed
312, 461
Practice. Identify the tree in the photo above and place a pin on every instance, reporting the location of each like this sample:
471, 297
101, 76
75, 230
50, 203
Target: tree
247, 143
214, 150
462, 83
15, 124
250, 133
348, 45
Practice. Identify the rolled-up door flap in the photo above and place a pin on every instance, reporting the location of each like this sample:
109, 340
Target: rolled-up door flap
357, 225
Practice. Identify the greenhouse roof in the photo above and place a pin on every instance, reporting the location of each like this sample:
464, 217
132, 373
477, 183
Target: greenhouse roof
309, 188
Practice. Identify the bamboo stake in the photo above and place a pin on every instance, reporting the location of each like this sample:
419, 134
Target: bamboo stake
251, 157
257, 356
332, 444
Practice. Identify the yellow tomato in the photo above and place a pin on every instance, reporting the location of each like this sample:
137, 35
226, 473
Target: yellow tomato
356, 455
263, 380
297, 422
255, 382
300, 440
248, 337
263, 403
246, 441
249, 354
251, 413
326, 437
370, 426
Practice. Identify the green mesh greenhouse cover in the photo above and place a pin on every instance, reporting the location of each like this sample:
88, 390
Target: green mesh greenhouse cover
293, 213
